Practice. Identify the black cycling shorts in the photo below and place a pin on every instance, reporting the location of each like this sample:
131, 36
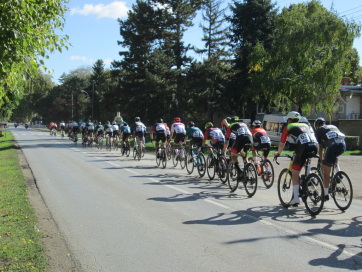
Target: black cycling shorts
242, 142
160, 136
180, 137
332, 152
302, 153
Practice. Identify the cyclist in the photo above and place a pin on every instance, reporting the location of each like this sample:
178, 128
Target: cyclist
75, 129
89, 126
115, 130
138, 130
178, 129
194, 134
217, 138
125, 132
243, 140
307, 146
261, 141
332, 140
62, 127
159, 129
52, 126
108, 128
100, 131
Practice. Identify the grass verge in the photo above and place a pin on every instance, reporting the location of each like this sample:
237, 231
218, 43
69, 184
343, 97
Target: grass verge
21, 248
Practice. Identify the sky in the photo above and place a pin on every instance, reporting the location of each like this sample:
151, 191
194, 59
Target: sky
93, 31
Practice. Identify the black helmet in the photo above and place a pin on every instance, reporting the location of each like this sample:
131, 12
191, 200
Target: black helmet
125, 124
190, 124
137, 119
319, 122
159, 120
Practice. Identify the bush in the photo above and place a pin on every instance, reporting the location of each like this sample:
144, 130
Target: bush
352, 142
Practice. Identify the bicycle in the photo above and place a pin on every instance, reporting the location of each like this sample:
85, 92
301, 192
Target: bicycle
126, 149
115, 143
108, 143
265, 170
168, 150
311, 187
179, 157
217, 164
248, 176
196, 159
161, 157
340, 187
53, 132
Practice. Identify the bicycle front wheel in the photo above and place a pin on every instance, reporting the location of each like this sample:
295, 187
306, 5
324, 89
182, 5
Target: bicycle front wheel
201, 165
232, 174
189, 163
158, 158
211, 167
341, 190
135, 155
250, 179
285, 187
128, 150
313, 194
268, 174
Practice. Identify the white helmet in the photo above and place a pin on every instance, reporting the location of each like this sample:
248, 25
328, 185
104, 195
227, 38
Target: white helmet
293, 115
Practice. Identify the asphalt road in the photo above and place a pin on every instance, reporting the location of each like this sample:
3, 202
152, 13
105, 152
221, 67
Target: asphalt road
117, 214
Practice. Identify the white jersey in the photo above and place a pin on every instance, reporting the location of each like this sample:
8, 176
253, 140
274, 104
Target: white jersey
75, 124
115, 127
178, 128
62, 124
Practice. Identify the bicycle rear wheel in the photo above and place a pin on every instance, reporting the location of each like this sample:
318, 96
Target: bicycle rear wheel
268, 174
128, 149
223, 168
135, 155
189, 163
250, 179
182, 158
174, 158
211, 167
163, 158
232, 179
169, 151
158, 158
285, 187
341, 190
313, 194
201, 165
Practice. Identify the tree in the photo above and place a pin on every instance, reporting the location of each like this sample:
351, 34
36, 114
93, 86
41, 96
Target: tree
252, 23
215, 67
28, 32
308, 57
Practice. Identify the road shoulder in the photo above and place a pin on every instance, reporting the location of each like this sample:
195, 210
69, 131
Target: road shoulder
59, 257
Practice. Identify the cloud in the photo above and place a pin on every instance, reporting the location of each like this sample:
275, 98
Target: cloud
114, 10
82, 58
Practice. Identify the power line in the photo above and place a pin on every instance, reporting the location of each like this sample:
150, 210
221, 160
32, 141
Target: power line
353, 12
349, 9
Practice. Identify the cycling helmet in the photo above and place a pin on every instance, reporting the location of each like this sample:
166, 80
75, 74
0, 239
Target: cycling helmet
113, 123
234, 119
159, 120
228, 119
177, 119
190, 124
137, 119
108, 123
319, 122
293, 115
125, 124
208, 125
256, 123
99, 123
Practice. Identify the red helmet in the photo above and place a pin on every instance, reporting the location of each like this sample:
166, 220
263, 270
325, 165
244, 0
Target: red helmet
177, 119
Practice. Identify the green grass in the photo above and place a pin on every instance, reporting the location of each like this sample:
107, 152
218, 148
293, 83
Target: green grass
20, 242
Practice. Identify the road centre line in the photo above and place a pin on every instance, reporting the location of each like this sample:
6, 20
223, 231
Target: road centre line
287, 231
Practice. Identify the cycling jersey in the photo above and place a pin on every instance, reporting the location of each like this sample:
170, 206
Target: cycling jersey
62, 125
139, 129
215, 135
115, 127
307, 145
108, 128
178, 128
89, 126
196, 136
332, 140
125, 129
160, 130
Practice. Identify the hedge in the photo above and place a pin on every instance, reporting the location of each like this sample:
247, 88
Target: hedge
352, 142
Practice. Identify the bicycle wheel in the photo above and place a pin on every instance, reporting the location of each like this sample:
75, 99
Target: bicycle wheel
182, 158
169, 151
211, 167
223, 168
285, 187
116, 145
232, 179
123, 149
128, 149
135, 155
250, 179
313, 194
174, 158
163, 158
341, 190
158, 158
189, 163
143, 150
201, 164
139, 152
268, 174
